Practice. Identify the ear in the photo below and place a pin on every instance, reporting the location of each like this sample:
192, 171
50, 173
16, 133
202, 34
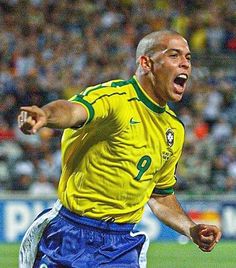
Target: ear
146, 63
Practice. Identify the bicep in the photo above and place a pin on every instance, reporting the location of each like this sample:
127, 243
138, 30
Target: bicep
79, 114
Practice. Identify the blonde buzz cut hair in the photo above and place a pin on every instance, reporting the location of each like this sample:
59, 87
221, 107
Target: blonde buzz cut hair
149, 43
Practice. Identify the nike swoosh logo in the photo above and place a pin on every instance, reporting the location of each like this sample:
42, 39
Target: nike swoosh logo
132, 121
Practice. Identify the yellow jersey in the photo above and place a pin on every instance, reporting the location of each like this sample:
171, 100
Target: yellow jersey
127, 149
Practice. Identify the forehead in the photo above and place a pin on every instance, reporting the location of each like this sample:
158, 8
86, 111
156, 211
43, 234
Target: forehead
174, 42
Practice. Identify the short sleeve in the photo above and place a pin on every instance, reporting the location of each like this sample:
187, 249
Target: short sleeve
103, 105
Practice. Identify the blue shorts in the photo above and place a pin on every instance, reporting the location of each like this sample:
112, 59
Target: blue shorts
60, 238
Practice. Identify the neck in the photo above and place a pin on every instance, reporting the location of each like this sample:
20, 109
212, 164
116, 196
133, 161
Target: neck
146, 83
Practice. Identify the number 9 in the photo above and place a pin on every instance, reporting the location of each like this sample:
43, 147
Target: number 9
143, 164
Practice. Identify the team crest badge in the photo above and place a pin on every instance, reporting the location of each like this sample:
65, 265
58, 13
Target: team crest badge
170, 137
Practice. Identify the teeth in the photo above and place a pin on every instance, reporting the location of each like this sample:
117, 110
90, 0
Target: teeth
184, 76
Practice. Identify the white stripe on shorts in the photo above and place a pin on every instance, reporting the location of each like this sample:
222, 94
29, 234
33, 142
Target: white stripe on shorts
29, 244
143, 253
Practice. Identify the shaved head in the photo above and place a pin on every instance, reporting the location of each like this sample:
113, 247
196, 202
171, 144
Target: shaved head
152, 42
162, 57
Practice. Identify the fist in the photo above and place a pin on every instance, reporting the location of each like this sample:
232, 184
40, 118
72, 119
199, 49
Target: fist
205, 236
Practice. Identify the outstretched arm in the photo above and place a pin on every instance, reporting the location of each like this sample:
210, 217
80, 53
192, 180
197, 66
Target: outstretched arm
57, 114
169, 211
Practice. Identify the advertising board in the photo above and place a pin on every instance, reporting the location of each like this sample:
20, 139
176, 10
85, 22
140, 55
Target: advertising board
17, 215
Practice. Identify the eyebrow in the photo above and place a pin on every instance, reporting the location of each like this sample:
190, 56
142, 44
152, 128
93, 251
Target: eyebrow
176, 50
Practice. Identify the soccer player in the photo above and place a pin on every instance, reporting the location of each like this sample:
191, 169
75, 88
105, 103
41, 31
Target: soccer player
120, 147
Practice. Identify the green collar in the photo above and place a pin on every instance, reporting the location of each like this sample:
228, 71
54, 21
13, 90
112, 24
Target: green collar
145, 98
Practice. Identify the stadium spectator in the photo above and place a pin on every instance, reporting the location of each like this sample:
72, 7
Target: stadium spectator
42, 187
221, 131
22, 183
4, 173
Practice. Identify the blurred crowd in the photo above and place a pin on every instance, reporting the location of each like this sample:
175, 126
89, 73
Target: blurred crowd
52, 49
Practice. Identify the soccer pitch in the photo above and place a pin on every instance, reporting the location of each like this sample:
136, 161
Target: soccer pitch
160, 255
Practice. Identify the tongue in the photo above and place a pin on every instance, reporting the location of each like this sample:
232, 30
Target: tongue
179, 81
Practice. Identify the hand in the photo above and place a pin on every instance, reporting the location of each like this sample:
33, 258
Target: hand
205, 236
31, 119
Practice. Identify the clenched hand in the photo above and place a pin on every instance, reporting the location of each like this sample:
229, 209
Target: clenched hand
205, 236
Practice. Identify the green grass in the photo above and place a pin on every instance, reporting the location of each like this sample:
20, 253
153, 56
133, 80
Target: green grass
173, 255
160, 255
9, 255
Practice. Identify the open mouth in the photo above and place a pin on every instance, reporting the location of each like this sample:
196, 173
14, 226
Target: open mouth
181, 79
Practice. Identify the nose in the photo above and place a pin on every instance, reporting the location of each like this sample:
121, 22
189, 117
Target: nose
185, 63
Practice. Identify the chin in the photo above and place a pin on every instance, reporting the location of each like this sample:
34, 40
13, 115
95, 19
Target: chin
177, 98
